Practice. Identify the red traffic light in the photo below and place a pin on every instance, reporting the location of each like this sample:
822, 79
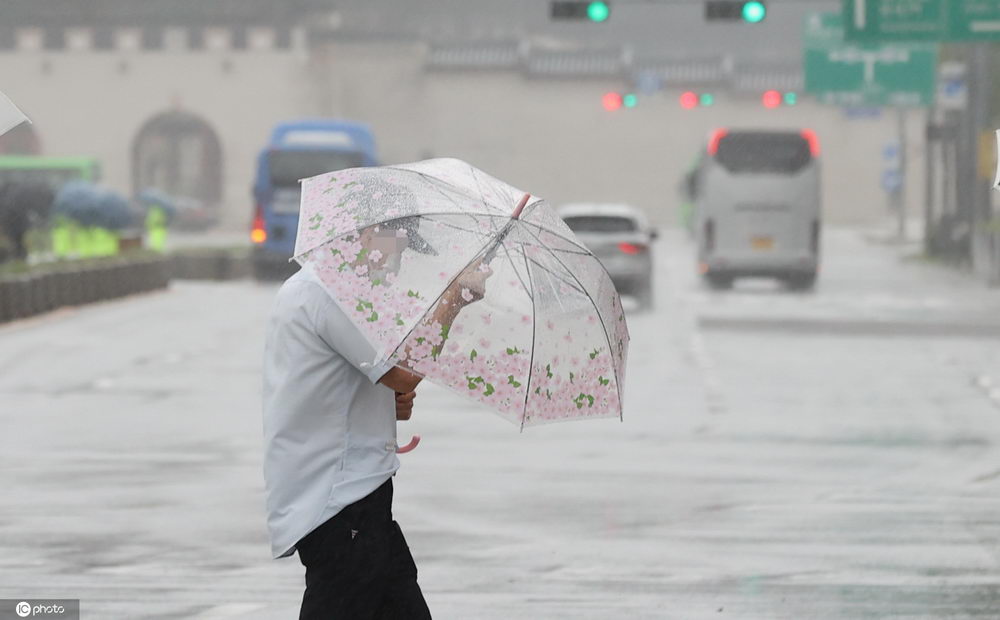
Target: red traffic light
771, 99
612, 101
689, 100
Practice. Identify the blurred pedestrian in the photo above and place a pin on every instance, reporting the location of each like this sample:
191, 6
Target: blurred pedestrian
23, 206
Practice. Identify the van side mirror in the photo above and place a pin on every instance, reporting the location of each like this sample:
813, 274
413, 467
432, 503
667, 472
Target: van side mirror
654, 234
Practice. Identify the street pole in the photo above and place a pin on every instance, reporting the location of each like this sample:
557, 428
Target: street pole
981, 93
930, 185
901, 191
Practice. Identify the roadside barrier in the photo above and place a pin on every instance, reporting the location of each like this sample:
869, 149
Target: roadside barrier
47, 287
211, 264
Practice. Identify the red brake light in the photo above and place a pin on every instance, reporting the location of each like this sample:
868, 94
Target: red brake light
713, 143
813, 141
630, 248
258, 234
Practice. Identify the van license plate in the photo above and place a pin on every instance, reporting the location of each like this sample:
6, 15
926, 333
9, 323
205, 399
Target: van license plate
762, 244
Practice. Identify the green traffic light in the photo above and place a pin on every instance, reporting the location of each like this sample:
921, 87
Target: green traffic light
630, 100
598, 11
791, 98
754, 12
706, 99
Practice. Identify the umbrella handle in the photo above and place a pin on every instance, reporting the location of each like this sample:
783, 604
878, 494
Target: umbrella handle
413, 444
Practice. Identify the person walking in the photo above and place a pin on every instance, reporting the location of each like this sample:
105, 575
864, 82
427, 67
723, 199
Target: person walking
329, 421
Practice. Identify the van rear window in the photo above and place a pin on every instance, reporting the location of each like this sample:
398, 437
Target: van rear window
287, 167
600, 224
781, 153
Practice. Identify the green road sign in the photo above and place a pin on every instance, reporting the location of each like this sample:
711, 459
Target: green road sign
973, 20
841, 73
922, 20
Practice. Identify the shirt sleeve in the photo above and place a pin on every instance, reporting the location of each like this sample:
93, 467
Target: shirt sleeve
337, 331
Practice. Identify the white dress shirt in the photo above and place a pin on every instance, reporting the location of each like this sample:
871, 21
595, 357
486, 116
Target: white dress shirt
329, 427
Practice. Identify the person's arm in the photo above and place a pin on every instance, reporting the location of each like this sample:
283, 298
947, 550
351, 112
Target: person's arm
474, 280
402, 380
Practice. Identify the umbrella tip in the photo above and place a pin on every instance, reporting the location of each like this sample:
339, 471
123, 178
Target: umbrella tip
520, 206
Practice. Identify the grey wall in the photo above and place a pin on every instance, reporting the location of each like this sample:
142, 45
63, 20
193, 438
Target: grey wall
552, 138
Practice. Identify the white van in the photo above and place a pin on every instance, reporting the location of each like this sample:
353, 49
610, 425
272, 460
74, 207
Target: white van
757, 207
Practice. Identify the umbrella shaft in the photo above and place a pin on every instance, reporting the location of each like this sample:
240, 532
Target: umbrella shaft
492, 252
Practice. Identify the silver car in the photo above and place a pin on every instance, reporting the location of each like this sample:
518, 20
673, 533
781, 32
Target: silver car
621, 238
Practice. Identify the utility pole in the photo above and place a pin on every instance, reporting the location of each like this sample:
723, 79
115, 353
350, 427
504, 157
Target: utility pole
981, 91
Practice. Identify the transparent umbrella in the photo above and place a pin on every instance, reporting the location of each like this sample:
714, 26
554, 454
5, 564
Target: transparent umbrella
548, 339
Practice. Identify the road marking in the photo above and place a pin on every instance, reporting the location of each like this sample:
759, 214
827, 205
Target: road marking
989, 388
684, 301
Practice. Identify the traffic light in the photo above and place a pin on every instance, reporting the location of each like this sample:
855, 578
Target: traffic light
597, 11
612, 101
775, 98
691, 100
615, 101
754, 12
751, 12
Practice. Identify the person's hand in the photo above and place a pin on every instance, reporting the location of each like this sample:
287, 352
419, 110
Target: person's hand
470, 286
404, 405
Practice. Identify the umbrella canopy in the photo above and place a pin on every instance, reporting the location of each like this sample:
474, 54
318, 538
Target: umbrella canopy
10, 116
548, 339
80, 201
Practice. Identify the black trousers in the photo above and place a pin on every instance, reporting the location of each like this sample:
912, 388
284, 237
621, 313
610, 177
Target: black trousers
359, 567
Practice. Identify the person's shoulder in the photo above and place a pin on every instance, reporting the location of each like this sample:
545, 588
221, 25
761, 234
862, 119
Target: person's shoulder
299, 290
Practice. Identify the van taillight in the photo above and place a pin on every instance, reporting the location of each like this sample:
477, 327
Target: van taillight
813, 141
258, 234
713, 143
709, 235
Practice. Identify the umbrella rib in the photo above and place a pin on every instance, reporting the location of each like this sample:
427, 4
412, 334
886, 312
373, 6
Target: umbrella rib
531, 360
495, 231
604, 327
557, 234
530, 291
546, 269
549, 271
459, 188
379, 223
588, 252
